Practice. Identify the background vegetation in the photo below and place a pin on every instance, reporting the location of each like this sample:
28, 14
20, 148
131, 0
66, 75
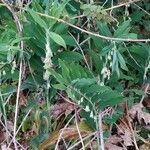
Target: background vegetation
74, 74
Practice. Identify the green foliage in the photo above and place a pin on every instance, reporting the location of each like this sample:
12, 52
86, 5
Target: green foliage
93, 73
83, 88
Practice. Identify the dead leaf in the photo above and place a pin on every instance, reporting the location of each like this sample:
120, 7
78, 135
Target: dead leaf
69, 133
111, 143
4, 147
62, 108
110, 146
145, 147
146, 101
10, 126
2, 135
123, 136
114, 139
136, 112
125, 132
22, 99
143, 117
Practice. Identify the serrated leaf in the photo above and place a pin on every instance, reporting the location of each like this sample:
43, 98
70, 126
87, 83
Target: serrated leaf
58, 39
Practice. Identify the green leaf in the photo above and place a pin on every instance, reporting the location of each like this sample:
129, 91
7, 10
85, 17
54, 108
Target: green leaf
58, 39
58, 76
68, 39
65, 70
83, 82
59, 86
88, 120
121, 61
122, 29
69, 56
38, 19
104, 28
37, 7
115, 67
99, 43
138, 92
106, 49
8, 89
17, 40
97, 62
110, 98
132, 35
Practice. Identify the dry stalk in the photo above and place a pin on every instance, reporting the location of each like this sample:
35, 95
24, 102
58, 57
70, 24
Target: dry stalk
92, 33
19, 28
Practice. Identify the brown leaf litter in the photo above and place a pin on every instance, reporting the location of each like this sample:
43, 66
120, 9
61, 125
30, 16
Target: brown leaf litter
125, 131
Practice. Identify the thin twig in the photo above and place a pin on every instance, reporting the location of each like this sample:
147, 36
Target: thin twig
62, 131
82, 43
76, 17
145, 91
80, 136
19, 127
6, 129
19, 28
142, 9
94, 34
86, 62
101, 131
90, 141
8, 99
67, 100
77, 143
131, 55
3, 110
123, 4
131, 129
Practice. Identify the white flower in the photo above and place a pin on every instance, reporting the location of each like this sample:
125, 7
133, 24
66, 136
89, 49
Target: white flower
108, 74
104, 70
13, 66
12, 71
79, 102
94, 118
87, 109
109, 57
91, 114
4, 72
110, 64
82, 99
105, 76
46, 75
102, 84
111, 53
48, 85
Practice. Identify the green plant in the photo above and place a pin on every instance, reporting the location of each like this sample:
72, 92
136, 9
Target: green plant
91, 58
